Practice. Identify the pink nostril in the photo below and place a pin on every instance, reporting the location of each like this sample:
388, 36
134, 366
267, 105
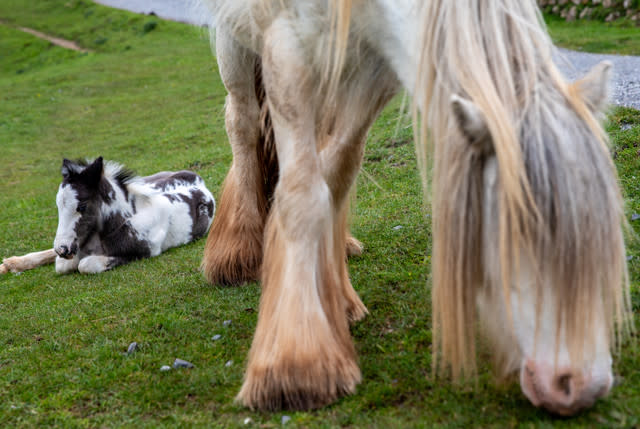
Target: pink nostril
562, 385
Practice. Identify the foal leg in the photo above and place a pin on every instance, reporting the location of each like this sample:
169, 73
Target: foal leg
17, 264
233, 252
66, 266
302, 355
94, 264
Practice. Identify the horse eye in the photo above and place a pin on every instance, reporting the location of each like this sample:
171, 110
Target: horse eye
81, 208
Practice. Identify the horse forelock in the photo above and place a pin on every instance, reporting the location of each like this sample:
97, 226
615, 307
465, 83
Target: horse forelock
501, 61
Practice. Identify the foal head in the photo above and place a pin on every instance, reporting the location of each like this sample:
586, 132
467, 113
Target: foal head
78, 202
550, 304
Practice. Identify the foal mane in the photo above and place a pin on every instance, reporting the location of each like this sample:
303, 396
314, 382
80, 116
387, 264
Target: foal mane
122, 175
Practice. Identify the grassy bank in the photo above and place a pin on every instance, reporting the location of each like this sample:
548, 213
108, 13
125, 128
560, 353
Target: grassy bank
149, 96
619, 37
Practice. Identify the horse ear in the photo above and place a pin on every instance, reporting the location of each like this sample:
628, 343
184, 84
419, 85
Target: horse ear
594, 86
470, 120
66, 168
93, 173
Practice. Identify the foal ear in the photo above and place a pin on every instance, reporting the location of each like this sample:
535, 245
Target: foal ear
93, 173
594, 86
67, 168
470, 120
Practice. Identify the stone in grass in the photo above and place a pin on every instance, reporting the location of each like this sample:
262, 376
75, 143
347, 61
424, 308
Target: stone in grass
397, 227
247, 420
165, 368
226, 322
179, 363
133, 347
285, 419
635, 216
216, 337
229, 363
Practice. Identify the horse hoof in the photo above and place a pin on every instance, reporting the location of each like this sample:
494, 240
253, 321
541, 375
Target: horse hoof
354, 246
231, 267
299, 385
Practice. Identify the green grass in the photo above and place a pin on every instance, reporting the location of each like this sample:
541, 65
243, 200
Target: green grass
153, 100
619, 37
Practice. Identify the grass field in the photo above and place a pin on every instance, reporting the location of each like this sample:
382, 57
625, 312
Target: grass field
618, 37
149, 96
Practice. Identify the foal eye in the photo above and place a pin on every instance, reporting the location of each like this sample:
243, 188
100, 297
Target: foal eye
81, 208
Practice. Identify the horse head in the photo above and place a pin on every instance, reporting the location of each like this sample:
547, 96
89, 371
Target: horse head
547, 305
78, 205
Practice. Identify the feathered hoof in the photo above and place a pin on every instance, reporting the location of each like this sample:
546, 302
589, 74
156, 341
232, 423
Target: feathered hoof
354, 246
356, 310
299, 384
12, 264
231, 266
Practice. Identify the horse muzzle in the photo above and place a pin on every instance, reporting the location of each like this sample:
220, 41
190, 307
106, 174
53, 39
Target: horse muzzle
562, 391
67, 252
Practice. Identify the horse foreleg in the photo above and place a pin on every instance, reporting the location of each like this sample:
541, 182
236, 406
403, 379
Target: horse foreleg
233, 252
17, 264
66, 266
94, 264
302, 355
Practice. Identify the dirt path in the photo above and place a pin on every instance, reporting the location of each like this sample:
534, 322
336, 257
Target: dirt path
64, 43
67, 44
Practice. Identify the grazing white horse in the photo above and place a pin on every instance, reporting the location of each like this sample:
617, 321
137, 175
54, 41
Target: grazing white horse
109, 217
527, 213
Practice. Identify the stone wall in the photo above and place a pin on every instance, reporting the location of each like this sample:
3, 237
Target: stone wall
604, 10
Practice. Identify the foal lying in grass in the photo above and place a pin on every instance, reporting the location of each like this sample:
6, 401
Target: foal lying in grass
109, 217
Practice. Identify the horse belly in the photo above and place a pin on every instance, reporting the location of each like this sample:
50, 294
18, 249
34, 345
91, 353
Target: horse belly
390, 27
190, 215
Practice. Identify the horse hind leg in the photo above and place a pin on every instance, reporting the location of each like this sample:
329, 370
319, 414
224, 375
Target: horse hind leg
302, 355
233, 252
17, 264
341, 157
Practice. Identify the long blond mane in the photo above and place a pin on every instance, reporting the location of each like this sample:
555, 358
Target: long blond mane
497, 53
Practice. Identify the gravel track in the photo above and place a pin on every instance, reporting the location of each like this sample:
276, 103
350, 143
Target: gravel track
625, 85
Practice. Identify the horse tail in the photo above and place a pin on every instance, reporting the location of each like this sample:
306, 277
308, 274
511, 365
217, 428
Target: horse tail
493, 60
266, 147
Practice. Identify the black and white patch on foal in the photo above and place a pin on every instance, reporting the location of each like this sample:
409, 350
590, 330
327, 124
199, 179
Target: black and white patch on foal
109, 217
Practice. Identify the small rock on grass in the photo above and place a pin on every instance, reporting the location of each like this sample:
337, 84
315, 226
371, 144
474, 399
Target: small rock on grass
229, 363
226, 322
216, 337
133, 347
164, 368
247, 420
397, 227
285, 419
179, 363
635, 216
